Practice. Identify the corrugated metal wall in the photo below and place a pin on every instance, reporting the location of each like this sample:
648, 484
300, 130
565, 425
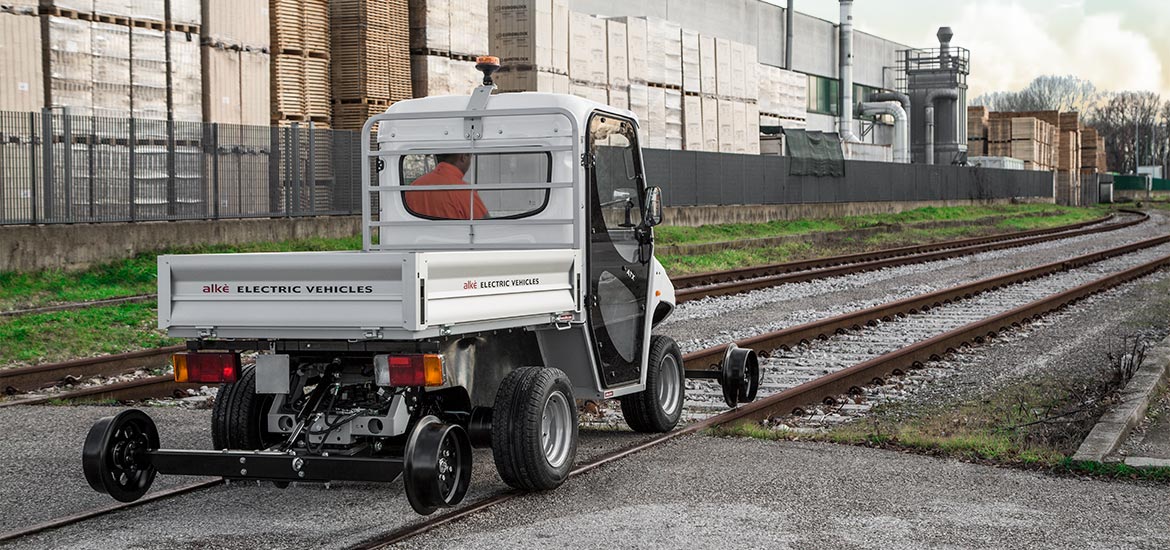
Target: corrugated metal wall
692, 178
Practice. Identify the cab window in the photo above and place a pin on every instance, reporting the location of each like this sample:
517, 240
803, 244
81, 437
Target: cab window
493, 168
612, 143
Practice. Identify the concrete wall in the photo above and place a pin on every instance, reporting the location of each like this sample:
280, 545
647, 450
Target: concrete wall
36, 247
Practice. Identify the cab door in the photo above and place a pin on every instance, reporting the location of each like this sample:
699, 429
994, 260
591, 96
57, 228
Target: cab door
619, 249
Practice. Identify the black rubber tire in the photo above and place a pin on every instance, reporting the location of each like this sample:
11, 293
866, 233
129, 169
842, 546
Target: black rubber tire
239, 414
516, 429
641, 410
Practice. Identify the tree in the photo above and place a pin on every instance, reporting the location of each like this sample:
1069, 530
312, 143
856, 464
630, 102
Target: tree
1045, 93
1119, 116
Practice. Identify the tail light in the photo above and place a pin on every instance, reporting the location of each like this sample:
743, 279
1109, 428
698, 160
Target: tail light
408, 370
206, 368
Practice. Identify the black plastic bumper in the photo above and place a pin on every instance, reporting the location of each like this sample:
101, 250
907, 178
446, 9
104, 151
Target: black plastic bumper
275, 466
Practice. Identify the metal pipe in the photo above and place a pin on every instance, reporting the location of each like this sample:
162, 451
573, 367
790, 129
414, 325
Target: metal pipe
845, 72
931, 97
901, 98
901, 143
788, 36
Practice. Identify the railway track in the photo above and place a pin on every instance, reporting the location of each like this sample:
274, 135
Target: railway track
931, 342
736, 281
23, 380
929, 328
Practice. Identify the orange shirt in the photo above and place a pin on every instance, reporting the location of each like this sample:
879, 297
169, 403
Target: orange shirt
447, 205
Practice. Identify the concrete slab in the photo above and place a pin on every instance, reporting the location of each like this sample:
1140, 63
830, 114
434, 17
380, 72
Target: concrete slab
1147, 462
1115, 425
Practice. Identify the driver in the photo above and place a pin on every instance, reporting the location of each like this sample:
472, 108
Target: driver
447, 205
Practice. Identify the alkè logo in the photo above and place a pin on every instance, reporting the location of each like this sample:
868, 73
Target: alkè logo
216, 289
470, 285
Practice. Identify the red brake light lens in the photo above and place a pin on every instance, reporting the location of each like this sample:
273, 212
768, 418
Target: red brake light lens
206, 368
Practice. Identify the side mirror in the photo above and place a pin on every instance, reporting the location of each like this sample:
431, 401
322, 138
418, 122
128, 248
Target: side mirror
653, 214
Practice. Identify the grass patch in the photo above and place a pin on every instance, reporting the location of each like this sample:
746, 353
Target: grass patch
63, 335
667, 235
137, 275
676, 264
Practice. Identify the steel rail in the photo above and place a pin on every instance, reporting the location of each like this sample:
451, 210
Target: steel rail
90, 514
846, 380
743, 273
744, 285
79, 305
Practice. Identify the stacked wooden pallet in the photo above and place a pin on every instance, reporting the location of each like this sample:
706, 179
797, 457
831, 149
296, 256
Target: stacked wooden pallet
1032, 142
370, 48
300, 61
977, 128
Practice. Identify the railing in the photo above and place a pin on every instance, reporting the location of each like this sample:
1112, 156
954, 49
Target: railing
372, 193
61, 168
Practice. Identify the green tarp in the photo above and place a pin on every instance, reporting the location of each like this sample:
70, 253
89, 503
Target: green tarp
814, 154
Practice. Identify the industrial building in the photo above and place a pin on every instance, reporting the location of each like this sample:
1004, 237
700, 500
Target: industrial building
245, 108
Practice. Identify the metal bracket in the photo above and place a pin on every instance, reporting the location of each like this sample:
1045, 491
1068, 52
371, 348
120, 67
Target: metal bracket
371, 333
205, 332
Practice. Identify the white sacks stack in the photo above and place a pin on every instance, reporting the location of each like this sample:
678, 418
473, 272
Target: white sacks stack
445, 38
588, 57
783, 97
689, 91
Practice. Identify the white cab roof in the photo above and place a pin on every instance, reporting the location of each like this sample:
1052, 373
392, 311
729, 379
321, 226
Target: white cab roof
580, 107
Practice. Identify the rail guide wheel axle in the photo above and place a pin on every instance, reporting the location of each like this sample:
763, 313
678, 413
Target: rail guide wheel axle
738, 375
437, 472
114, 457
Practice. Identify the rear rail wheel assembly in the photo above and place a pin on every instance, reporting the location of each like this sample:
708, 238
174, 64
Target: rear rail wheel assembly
738, 375
114, 457
534, 428
437, 472
658, 408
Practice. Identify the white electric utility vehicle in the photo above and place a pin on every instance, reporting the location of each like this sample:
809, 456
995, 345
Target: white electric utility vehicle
484, 328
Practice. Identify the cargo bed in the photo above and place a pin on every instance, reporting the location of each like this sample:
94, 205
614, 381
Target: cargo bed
363, 295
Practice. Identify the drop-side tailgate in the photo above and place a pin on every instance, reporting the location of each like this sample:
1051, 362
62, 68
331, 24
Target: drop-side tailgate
356, 295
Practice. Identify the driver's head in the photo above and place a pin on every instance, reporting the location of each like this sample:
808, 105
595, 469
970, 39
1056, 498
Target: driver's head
462, 161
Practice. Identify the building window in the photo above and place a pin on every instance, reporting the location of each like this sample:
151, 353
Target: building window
824, 95
861, 93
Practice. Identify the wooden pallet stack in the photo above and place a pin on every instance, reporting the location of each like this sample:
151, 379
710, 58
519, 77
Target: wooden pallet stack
370, 48
1032, 142
977, 128
300, 61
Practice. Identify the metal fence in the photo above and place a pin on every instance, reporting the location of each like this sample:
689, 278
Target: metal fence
701, 178
60, 168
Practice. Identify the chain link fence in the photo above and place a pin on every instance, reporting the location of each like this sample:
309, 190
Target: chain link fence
61, 168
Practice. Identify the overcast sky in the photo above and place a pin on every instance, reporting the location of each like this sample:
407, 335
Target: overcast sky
1118, 44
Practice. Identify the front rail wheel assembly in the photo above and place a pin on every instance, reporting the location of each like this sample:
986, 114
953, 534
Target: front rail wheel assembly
114, 457
437, 472
657, 408
534, 428
740, 376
